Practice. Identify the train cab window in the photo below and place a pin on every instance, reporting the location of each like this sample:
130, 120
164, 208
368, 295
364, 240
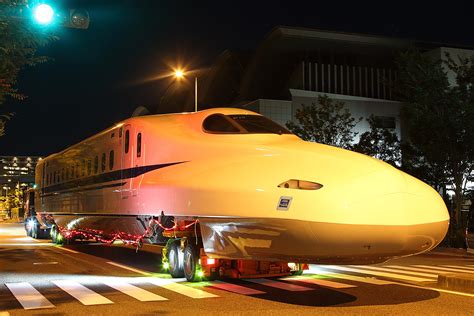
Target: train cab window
139, 144
111, 160
218, 123
96, 164
102, 165
89, 167
242, 124
127, 141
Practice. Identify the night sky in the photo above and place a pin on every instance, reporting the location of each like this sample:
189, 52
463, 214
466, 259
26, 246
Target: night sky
98, 76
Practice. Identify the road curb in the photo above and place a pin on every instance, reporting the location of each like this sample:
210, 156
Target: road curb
457, 282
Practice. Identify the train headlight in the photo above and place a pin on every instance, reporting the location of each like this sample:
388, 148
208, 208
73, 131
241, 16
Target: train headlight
300, 184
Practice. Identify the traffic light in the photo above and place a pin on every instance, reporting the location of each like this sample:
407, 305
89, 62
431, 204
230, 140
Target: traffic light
78, 19
43, 13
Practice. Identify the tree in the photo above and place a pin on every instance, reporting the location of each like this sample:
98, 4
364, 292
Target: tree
439, 119
381, 143
19, 42
327, 122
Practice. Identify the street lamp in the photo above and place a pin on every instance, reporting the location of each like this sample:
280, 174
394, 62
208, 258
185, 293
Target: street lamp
43, 13
178, 74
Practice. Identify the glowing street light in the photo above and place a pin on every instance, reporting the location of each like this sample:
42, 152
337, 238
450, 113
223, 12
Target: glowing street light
43, 13
178, 73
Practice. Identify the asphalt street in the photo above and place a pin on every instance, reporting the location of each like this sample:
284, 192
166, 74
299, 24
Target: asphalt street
39, 278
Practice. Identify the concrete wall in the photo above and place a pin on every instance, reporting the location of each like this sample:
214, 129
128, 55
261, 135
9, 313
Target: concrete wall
455, 53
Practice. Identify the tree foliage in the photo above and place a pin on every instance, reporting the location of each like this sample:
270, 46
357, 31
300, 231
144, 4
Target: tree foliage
380, 143
20, 40
327, 122
439, 118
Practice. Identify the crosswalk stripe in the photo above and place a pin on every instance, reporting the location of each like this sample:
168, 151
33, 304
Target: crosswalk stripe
459, 267
428, 275
28, 296
321, 282
445, 269
235, 288
280, 285
134, 291
410, 268
379, 273
172, 285
350, 277
81, 293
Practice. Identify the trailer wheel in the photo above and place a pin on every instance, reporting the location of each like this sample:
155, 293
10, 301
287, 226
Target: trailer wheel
176, 265
191, 263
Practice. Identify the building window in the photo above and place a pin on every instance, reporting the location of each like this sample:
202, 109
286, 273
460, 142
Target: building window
96, 164
139, 145
102, 165
111, 160
127, 140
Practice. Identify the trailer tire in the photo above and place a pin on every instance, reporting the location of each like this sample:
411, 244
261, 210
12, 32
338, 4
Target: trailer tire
191, 259
176, 265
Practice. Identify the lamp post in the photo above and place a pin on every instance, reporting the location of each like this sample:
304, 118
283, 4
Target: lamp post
180, 74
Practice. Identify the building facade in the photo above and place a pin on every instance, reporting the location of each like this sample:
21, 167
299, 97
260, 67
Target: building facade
294, 66
17, 171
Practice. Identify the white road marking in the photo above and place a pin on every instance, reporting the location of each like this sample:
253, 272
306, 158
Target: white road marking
321, 282
81, 293
28, 296
458, 267
368, 280
280, 285
134, 291
129, 268
433, 270
172, 285
235, 288
445, 269
67, 249
428, 275
379, 273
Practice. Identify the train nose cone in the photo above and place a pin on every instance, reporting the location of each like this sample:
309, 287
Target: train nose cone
426, 212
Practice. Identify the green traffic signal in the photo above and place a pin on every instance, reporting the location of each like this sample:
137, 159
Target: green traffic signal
43, 14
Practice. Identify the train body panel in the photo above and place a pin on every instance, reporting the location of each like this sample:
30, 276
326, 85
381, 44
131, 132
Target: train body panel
316, 203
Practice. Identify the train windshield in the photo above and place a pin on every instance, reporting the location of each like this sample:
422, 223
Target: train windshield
242, 124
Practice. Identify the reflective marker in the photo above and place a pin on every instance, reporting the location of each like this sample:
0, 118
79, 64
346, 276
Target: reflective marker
81, 293
134, 291
28, 296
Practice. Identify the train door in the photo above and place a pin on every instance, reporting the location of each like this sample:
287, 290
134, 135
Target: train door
127, 161
138, 160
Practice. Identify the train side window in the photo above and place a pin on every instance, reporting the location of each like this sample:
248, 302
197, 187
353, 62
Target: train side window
111, 160
102, 165
127, 140
96, 164
139, 145
62, 175
83, 167
54, 177
89, 167
77, 170
47, 179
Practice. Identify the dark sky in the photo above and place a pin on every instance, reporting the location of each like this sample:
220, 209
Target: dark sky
96, 78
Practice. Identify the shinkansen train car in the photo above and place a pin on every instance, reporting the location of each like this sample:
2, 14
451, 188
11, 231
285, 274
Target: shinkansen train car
231, 193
